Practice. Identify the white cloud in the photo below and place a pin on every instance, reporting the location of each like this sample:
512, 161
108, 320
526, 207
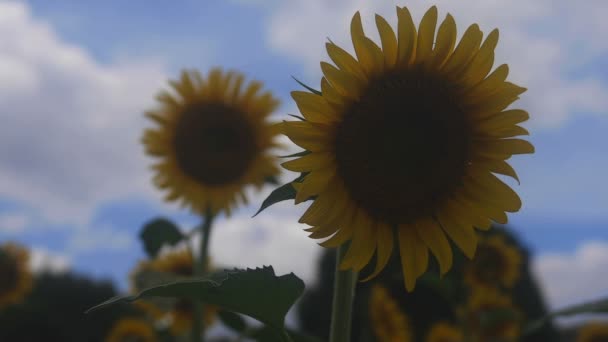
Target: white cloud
13, 223
573, 278
70, 129
273, 238
41, 259
543, 41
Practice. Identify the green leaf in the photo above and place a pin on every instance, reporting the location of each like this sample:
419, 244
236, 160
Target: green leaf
257, 293
297, 117
299, 154
312, 90
232, 321
596, 306
271, 180
283, 193
158, 232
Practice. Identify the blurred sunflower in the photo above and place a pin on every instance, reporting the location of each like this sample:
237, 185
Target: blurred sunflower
444, 332
496, 263
15, 275
593, 332
132, 330
178, 313
388, 322
490, 315
212, 140
405, 139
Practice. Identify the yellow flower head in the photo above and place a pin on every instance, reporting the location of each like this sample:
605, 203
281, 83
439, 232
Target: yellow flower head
180, 314
388, 322
490, 315
404, 142
496, 263
15, 275
212, 140
444, 332
593, 332
132, 330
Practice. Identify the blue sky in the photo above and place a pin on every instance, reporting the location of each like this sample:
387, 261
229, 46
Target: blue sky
77, 76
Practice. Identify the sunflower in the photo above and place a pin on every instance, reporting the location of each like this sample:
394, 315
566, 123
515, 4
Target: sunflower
132, 330
444, 332
593, 332
496, 264
212, 140
180, 312
15, 274
388, 322
490, 315
403, 143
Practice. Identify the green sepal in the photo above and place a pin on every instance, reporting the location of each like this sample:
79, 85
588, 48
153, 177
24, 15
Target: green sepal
312, 90
283, 193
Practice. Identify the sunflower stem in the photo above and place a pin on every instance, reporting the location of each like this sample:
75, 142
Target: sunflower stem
200, 269
344, 294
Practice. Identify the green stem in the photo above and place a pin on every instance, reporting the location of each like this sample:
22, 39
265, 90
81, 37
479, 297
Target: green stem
200, 269
344, 294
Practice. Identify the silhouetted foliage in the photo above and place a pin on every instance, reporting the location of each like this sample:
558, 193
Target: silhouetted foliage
54, 311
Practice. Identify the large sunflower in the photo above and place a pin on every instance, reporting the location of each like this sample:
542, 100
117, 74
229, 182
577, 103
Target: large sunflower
406, 139
15, 275
593, 332
388, 322
495, 264
444, 332
180, 312
132, 330
212, 140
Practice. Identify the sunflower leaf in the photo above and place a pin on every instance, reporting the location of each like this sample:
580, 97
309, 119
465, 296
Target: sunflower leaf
257, 293
232, 321
158, 232
597, 306
283, 193
312, 90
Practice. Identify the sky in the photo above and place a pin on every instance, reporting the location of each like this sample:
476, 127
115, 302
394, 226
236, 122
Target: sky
75, 78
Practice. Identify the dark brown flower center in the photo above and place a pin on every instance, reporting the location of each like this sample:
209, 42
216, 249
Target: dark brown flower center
599, 338
489, 264
9, 273
214, 143
133, 337
403, 145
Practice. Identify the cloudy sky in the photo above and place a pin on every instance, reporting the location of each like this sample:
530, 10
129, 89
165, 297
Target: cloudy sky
75, 78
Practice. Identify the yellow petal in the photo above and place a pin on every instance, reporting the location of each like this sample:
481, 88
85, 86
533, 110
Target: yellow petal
500, 167
320, 207
506, 94
491, 83
314, 107
323, 231
497, 191
362, 245
388, 40
345, 231
461, 232
480, 203
384, 248
507, 146
344, 60
414, 255
311, 137
446, 39
309, 162
483, 61
343, 82
314, 183
432, 235
465, 212
468, 46
426, 35
330, 94
406, 30
503, 119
